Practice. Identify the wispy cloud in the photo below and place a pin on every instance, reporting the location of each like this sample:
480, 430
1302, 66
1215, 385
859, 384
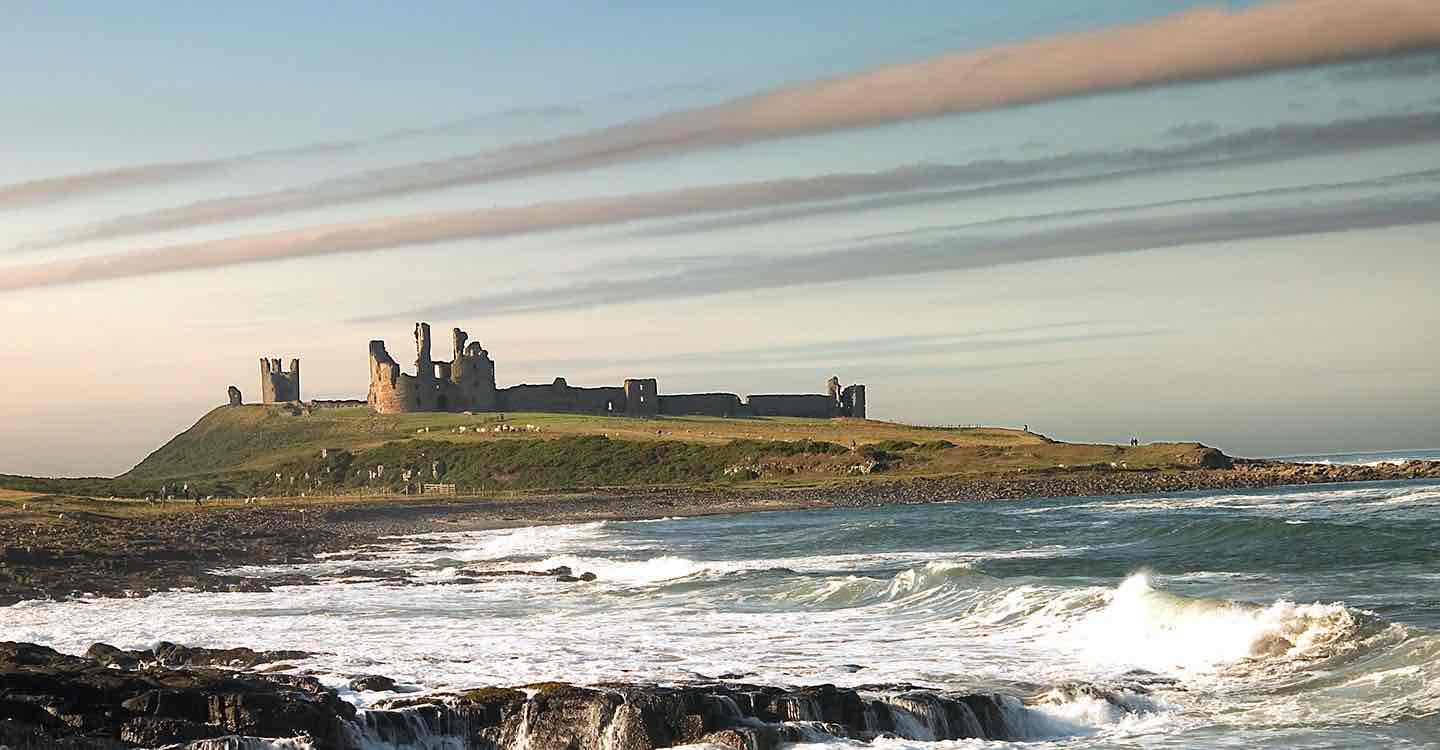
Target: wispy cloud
81, 184
1193, 46
1193, 130
808, 352
1420, 66
1005, 177
1049, 173
958, 252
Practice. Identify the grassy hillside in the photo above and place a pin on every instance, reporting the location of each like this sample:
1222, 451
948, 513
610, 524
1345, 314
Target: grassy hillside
255, 437
272, 451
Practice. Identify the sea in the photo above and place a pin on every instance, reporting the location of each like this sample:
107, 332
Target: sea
1291, 617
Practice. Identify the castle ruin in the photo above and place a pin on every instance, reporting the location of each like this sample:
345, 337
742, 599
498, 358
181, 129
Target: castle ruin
467, 383
276, 385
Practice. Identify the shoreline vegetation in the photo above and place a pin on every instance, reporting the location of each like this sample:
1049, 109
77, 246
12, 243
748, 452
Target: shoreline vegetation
260, 485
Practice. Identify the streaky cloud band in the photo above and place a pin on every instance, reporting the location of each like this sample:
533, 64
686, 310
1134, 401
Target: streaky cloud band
1193, 46
949, 254
389, 233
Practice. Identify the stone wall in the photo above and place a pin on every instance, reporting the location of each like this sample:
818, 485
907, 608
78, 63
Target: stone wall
563, 397
703, 404
343, 403
818, 405
277, 385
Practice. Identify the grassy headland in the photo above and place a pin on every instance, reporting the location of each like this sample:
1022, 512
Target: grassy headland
273, 451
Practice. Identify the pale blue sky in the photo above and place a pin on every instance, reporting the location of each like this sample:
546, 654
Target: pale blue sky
1248, 262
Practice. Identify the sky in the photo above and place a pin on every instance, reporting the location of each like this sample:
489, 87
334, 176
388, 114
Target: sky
1164, 219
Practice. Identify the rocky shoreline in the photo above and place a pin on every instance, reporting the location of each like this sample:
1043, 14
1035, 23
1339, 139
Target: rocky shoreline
206, 699
90, 554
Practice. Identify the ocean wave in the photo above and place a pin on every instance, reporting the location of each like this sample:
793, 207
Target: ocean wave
854, 590
1149, 628
1427, 496
1372, 458
627, 572
1078, 709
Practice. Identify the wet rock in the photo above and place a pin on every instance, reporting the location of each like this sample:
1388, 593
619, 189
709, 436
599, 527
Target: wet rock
117, 698
744, 738
150, 731
373, 682
65, 699
173, 655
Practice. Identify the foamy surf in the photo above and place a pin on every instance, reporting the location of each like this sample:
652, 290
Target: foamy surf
1242, 621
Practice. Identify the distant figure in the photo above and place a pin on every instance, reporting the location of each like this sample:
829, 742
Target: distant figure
1027, 428
1134, 442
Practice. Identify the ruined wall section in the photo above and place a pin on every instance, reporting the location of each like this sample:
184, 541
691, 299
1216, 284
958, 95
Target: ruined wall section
278, 385
837, 401
391, 391
471, 375
815, 406
703, 405
562, 397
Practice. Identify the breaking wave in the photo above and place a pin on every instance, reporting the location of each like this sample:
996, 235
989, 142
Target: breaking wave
1148, 628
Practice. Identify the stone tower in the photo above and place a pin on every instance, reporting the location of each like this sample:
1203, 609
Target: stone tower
472, 375
277, 385
641, 397
852, 401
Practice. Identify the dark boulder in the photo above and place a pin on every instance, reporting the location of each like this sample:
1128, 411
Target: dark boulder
172, 655
373, 682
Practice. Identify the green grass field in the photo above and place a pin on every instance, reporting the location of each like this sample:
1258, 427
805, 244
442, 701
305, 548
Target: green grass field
267, 450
